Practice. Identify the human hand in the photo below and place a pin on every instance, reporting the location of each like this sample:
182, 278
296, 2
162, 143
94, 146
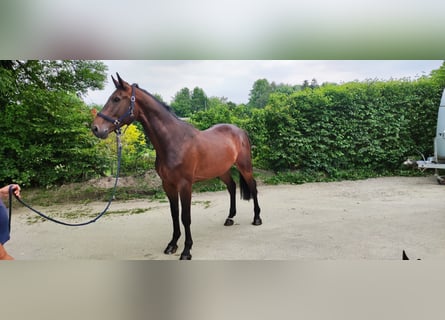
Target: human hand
15, 189
4, 192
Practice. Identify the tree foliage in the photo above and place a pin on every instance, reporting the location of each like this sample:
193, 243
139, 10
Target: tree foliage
45, 125
137, 156
358, 126
438, 75
261, 91
367, 126
186, 102
259, 95
182, 102
199, 100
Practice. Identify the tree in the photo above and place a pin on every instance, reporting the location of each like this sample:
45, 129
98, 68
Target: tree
159, 97
286, 88
259, 94
75, 76
306, 85
45, 124
186, 102
137, 156
199, 100
182, 102
314, 84
438, 75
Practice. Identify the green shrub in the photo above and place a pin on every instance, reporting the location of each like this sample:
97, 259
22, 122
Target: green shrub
339, 130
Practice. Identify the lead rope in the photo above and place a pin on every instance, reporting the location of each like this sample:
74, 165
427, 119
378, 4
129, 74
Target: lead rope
10, 206
119, 154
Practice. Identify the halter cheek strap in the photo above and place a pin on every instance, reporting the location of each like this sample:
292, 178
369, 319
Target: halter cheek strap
130, 112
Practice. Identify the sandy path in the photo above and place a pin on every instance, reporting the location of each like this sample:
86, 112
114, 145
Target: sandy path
350, 220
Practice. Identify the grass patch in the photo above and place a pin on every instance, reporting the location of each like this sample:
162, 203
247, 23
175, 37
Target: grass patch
128, 212
305, 176
140, 188
211, 185
83, 215
205, 204
86, 192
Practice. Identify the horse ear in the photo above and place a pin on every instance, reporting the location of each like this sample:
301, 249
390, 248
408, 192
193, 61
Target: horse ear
121, 82
116, 83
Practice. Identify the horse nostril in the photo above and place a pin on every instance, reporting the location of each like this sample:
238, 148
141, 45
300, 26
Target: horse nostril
99, 133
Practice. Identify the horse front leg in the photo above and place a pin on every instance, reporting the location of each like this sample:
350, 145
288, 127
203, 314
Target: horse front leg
172, 195
186, 201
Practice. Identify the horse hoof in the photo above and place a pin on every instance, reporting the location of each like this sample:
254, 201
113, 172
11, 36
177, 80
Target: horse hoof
185, 257
229, 222
171, 249
257, 222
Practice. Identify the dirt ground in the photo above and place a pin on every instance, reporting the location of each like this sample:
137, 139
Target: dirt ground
351, 220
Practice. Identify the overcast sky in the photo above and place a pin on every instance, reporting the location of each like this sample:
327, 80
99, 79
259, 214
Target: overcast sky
233, 79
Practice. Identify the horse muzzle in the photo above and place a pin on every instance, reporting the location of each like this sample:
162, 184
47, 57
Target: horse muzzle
100, 132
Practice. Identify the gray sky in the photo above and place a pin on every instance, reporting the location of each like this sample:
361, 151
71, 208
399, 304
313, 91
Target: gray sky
233, 79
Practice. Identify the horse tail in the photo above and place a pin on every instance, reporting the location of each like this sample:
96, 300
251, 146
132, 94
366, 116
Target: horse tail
246, 194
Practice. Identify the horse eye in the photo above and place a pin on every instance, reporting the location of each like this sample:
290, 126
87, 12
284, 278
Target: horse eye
116, 99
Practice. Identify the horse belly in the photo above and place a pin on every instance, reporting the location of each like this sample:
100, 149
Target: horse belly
214, 162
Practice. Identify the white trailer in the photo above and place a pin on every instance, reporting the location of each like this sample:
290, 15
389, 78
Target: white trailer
437, 161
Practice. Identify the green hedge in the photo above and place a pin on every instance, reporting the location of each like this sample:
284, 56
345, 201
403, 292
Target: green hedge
367, 126
35, 153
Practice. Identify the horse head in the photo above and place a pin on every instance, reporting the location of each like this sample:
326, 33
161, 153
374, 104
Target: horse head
118, 111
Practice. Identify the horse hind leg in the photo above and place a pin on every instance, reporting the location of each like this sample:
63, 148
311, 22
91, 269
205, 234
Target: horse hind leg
247, 182
231, 187
249, 191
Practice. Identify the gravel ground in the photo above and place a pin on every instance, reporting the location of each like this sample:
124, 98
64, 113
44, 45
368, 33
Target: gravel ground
350, 220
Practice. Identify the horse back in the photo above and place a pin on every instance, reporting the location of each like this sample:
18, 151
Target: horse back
227, 134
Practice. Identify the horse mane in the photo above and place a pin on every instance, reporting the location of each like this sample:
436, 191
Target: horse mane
162, 103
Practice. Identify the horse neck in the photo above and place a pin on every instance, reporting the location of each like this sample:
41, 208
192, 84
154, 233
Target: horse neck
161, 126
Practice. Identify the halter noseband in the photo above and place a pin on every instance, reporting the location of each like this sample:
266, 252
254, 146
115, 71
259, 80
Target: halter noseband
130, 112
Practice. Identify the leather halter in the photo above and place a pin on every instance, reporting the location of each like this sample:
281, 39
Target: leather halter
130, 112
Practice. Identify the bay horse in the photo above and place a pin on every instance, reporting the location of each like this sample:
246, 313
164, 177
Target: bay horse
184, 154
